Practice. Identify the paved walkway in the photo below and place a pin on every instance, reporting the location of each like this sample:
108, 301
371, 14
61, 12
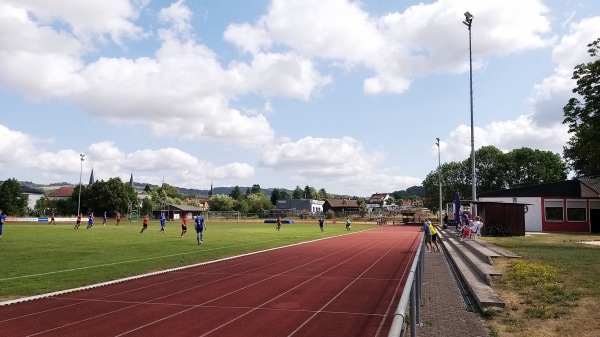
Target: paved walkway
443, 310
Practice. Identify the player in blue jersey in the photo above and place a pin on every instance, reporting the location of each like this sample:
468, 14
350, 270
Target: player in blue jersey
200, 227
90, 220
163, 222
104, 219
2, 220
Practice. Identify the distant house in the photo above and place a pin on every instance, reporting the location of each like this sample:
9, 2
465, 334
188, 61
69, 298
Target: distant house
202, 202
565, 206
295, 206
341, 207
379, 202
33, 195
61, 193
176, 212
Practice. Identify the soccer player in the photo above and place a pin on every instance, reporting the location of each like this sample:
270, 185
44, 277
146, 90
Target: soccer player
278, 223
2, 220
118, 218
348, 223
200, 226
163, 222
90, 220
184, 223
321, 223
78, 221
145, 223
52, 219
104, 219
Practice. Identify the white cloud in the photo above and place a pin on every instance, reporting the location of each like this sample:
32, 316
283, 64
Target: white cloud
21, 153
326, 161
397, 47
90, 19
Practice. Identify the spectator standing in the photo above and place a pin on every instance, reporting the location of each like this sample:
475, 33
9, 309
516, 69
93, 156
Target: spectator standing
427, 231
434, 236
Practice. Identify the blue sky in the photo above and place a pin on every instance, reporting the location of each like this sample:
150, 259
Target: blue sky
343, 95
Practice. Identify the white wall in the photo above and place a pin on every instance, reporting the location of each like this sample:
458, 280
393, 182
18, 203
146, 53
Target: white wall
533, 216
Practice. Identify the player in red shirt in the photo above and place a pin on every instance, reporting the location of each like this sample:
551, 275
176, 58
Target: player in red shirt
52, 219
184, 223
145, 224
78, 221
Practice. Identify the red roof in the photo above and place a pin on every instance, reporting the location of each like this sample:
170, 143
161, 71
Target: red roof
342, 203
62, 192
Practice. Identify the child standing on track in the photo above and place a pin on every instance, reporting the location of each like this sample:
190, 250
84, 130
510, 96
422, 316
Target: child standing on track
200, 226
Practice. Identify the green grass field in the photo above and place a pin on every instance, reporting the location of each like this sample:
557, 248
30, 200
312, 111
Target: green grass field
37, 258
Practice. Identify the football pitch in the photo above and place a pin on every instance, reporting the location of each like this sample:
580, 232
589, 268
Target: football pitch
37, 258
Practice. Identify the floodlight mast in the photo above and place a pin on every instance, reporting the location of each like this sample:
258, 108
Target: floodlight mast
82, 156
439, 176
468, 22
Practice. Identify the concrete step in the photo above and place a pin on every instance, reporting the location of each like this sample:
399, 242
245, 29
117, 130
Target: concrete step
475, 246
485, 296
480, 264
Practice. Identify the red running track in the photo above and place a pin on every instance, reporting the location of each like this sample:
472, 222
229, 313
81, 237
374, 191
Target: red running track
342, 286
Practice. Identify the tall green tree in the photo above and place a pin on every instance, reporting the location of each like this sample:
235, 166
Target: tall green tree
236, 193
255, 188
275, 195
582, 115
12, 201
526, 167
298, 193
221, 203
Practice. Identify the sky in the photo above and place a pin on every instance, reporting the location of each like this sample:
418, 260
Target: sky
344, 95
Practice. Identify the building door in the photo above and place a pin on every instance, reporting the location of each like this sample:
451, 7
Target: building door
594, 216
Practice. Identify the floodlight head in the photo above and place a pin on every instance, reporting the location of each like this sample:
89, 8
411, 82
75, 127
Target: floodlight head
468, 19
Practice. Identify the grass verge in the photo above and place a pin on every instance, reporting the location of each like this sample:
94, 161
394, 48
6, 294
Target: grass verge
549, 291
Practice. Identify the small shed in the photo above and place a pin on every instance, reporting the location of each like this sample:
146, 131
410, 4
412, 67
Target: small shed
512, 215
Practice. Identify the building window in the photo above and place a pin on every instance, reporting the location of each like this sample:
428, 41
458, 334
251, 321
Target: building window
576, 210
553, 210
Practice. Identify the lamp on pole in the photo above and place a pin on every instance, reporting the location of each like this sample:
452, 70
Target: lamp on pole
81, 155
439, 176
468, 21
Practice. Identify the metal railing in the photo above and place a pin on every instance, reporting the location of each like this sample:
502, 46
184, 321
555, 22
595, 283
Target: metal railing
410, 298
